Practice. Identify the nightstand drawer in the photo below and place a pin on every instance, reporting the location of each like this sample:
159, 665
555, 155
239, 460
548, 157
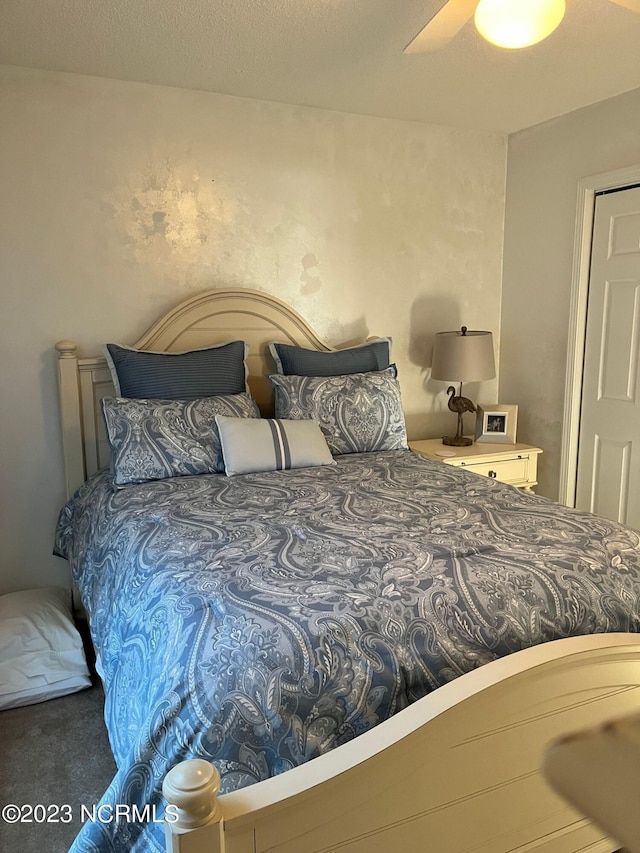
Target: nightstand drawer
505, 470
516, 464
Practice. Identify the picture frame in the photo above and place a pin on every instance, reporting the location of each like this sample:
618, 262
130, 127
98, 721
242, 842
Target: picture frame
496, 423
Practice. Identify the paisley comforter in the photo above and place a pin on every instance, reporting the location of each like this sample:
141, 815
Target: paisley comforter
261, 620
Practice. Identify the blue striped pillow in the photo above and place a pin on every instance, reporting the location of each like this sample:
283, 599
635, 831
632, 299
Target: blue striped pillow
297, 361
199, 373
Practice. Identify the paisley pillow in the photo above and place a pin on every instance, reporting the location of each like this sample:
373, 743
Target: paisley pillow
156, 439
357, 413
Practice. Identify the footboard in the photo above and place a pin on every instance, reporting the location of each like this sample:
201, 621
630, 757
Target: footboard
457, 771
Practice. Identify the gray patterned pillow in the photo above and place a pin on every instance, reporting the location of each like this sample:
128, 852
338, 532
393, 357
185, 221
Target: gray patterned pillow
357, 413
156, 439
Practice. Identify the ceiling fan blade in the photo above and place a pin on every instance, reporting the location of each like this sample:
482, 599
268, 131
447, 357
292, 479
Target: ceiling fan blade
446, 24
634, 5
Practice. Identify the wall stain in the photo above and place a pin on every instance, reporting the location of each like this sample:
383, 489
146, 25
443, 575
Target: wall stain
170, 219
311, 281
159, 222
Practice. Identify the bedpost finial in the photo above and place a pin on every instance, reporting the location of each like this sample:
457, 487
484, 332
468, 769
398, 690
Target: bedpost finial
66, 349
192, 786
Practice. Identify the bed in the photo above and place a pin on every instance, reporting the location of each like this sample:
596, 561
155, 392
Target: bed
364, 655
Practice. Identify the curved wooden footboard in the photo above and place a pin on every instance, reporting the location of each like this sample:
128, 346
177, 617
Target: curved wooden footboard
456, 772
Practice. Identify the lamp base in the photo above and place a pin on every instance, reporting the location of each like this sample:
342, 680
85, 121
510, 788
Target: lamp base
457, 440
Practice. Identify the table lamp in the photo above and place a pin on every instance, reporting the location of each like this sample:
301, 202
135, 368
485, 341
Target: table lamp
462, 356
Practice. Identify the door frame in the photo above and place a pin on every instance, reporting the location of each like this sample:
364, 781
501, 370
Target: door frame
585, 211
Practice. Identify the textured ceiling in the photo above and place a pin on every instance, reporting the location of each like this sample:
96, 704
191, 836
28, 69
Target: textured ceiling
334, 54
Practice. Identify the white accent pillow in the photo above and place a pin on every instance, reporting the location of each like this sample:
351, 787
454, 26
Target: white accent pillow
250, 446
41, 653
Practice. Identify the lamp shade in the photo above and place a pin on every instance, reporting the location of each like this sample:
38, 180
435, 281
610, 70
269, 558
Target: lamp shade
463, 356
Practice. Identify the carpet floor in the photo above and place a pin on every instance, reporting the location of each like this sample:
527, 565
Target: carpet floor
55, 753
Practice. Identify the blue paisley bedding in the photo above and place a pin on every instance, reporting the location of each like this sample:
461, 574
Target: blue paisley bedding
261, 620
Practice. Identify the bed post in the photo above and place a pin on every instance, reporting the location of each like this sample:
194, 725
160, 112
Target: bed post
193, 821
70, 415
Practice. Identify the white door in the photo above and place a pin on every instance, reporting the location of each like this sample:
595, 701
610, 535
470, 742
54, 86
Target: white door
608, 481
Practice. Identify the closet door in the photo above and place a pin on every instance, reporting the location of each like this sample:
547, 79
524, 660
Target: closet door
608, 480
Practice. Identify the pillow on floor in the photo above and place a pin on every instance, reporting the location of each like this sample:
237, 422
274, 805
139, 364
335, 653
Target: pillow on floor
41, 653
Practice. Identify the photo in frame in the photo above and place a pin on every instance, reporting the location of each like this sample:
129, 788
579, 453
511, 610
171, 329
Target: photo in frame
496, 423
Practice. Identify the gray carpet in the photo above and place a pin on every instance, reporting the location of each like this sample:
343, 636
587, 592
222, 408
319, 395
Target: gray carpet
56, 752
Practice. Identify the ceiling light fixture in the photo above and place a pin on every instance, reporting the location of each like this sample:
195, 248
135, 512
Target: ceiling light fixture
518, 23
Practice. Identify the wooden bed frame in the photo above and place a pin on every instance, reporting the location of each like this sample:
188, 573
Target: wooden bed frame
456, 772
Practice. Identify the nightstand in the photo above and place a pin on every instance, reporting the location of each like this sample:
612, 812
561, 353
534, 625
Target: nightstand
516, 464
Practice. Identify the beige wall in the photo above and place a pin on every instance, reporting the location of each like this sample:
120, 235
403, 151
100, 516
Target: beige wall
545, 164
117, 200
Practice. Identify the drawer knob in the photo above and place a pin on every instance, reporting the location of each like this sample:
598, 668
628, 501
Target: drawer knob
493, 474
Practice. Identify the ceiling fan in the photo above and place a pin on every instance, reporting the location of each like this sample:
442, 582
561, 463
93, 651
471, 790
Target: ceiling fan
506, 23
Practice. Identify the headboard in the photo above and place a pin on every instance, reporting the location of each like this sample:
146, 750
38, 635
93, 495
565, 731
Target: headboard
209, 318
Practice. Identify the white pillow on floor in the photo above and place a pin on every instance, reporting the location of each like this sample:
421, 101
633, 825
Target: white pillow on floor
41, 653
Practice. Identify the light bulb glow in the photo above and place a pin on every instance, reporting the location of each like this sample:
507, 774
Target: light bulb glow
518, 23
